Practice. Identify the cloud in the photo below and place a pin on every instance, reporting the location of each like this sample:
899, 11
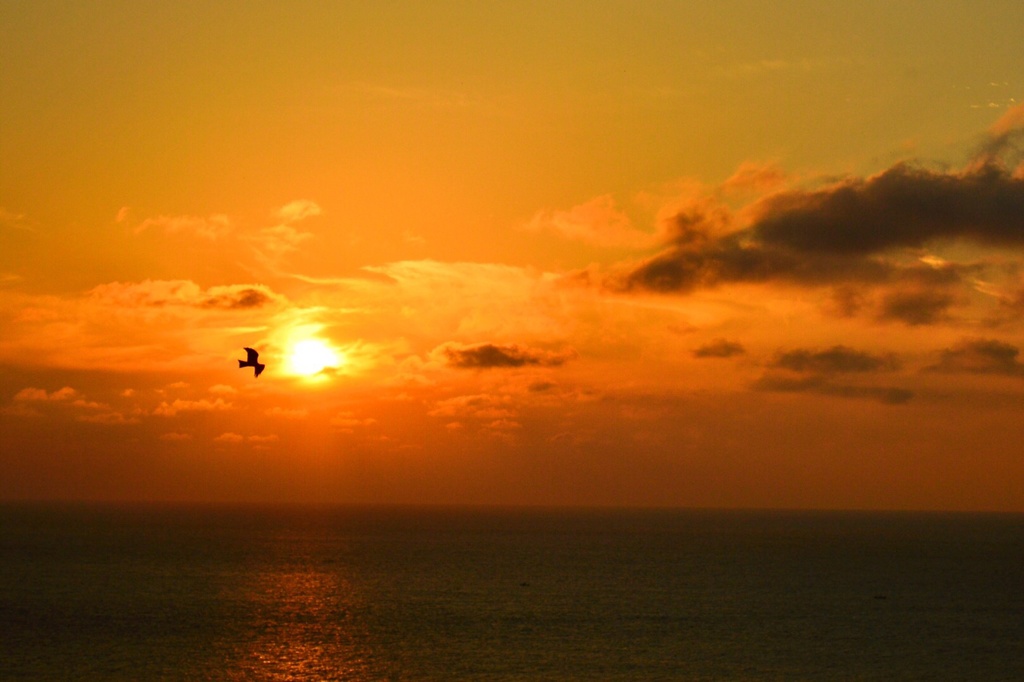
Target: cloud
40, 395
166, 409
269, 438
14, 221
229, 437
763, 67
719, 348
503, 425
804, 370
706, 262
67, 396
160, 293
271, 244
489, 356
917, 307
857, 232
598, 221
1005, 132
297, 210
820, 385
981, 356
238, 297
108, 418
751, 176
276, 411
347, 422
834, 360
211, 227
478, 300
268, 244
473, 405
904, 206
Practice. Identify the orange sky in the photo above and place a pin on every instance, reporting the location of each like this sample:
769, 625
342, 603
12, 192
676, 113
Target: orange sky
600, 253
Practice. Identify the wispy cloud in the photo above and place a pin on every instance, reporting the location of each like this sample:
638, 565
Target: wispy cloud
159, 293
14, 221
774, 65
257, 440
287, 413
212, 227
297, 210
269, 244
1005, 133
599, 221
475, 406
272, 244
348, 422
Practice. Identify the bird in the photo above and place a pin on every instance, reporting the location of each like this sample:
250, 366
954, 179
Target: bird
251, 361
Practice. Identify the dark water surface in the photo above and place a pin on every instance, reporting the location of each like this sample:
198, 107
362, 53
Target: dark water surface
248, 593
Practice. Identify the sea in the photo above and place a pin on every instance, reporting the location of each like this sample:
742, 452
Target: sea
165, 592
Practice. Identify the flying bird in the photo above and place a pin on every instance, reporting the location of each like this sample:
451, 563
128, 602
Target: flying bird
251, 361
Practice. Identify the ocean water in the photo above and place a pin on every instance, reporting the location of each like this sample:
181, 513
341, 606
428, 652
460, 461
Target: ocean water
90, 592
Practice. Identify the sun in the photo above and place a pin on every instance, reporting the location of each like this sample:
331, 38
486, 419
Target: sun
312, 356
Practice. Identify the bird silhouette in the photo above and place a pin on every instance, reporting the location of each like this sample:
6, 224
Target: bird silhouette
251, 361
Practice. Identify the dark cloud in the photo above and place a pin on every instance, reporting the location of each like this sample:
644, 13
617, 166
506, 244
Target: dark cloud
904, 206
918, 307
719, 348
235, 299
846, 301
834, 360
541, 386
849, 234
981, 356
489, 355
816, 371
817, 384
733, 260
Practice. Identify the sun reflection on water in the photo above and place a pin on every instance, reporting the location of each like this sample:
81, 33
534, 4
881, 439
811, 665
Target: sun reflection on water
303, 627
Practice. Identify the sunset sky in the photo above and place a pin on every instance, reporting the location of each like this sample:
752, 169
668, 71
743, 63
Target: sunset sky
715, 254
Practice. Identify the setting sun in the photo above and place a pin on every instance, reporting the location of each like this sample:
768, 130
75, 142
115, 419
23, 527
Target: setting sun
312, 356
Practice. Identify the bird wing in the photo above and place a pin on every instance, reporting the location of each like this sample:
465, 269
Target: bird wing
251, 355
260, 368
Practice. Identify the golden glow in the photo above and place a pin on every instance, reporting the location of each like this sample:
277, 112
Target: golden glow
312, 356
